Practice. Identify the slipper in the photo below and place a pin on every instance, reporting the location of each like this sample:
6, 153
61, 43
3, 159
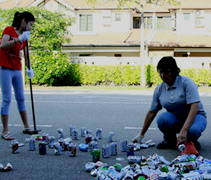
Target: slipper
7, 136
27, 131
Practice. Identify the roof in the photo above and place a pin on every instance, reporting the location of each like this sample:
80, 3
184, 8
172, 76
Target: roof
12, 3
161, 39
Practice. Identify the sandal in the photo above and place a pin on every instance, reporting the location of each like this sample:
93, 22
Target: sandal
7, 136
27, 131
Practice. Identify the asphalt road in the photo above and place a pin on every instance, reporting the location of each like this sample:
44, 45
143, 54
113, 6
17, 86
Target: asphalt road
121, 112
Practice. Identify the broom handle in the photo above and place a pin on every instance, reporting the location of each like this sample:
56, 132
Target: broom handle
32, 101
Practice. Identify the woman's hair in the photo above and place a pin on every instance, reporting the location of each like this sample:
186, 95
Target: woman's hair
18, 17
168, 62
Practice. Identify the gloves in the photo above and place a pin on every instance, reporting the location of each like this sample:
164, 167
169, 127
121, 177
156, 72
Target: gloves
25, 36
30, 73
138, 139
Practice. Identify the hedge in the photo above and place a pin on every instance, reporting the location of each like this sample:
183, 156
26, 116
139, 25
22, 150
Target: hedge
61, 73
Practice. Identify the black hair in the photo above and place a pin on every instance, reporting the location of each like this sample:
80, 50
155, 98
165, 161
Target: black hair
18, 17
168, 62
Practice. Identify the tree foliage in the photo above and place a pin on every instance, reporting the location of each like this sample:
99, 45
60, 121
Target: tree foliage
49, 30
47, 37
122, 3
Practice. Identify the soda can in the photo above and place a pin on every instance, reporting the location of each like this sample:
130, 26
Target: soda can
192, 157
88, 138
99, 133
188, 166
154, 176
96, 155
83, 131
123, 145
93, 145
58, 149
130, 149
15, 146
105, 151
32, 144
61, 133
42, 148
45, 137
88, 131
75, 134
61, 142
113, 149
71, 129
72, 149
181, 147
134, 159
110, 137
51, 141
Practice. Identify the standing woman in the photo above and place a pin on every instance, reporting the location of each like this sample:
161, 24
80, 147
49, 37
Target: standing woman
12, 42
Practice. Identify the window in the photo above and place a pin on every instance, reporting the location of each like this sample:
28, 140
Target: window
86, 22
147, 22
186, 16
117, 55
164, 23
118, 17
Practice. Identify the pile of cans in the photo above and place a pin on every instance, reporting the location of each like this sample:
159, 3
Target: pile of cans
155, 167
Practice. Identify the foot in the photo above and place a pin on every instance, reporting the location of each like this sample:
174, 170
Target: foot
7, 136
27, 131
165, 145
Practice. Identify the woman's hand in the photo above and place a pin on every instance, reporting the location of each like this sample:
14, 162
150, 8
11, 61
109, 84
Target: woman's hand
182, 137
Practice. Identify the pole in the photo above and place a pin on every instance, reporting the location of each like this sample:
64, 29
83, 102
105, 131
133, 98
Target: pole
143, 81
30, 82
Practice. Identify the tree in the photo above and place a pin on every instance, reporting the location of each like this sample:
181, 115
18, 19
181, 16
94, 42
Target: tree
121, 3
47, 37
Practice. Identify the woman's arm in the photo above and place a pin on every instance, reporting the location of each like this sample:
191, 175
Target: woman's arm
194, 108
148, 120
6, 42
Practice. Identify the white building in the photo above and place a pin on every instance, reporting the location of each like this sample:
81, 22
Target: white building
108, 35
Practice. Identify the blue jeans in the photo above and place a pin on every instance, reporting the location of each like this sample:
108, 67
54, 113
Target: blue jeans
9, 78
170, 124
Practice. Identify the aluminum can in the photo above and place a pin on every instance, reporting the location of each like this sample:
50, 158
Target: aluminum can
134, 159
51, 141
75, 134
15, 146
61, 142
99, 133
32, 144
130, 149
96, 155
72, 149
88, 131
105, 151
58, 149
154, 176
61, 133
123, 145
188, 166
93, 145
113, 149
42, 148
88, 138
45, 137
192, 157
181, 147
171, 175
110, 137
83, 131
71, 128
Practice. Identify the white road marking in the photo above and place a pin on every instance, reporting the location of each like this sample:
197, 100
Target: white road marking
20, 125
131, 128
